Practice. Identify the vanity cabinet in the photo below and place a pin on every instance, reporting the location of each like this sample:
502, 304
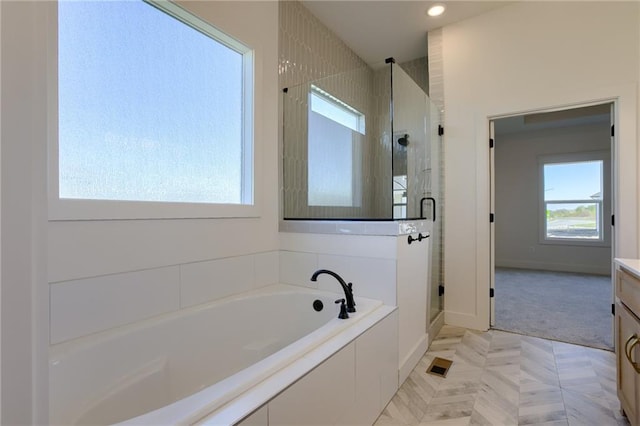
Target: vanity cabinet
627, 339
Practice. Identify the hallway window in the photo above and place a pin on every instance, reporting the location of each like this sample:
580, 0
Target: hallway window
572, 200
154, 105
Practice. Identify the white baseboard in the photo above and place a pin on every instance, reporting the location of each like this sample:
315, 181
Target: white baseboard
472, 322
555, 267
435, 327
411, 360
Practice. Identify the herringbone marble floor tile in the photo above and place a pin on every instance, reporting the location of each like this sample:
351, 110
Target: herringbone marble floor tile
500, 378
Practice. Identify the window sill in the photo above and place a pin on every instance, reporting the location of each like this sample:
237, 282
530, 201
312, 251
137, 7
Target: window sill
575, 243
76, 210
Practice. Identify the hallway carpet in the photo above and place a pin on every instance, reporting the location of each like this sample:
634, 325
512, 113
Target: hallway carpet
564, 306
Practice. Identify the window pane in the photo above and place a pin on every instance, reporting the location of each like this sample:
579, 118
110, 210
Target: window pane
330, 169
331, 107
149, 108
573, 181
335, 135
573, 220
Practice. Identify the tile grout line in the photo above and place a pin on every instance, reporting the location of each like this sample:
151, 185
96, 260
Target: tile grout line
495, 349
555, 363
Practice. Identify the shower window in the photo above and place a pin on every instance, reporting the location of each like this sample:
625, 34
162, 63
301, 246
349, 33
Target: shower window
154, 106
335, 140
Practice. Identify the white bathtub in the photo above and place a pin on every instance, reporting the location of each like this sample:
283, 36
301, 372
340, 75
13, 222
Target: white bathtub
181, 367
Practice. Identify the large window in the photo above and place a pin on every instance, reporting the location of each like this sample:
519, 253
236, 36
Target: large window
573, 200
154, 105
336, 132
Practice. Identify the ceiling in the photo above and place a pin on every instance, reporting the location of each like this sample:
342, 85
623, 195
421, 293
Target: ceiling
380, 29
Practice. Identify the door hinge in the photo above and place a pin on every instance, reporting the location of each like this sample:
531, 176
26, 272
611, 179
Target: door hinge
440, 130
491, 143
613, 309
613, 220
613, 130
440, 290
492, 292
491, 217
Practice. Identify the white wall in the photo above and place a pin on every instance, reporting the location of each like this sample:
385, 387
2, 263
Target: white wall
71, 254
23, 198
198, 259
85, 249
368, 261
517, 195
0, 219
505, 62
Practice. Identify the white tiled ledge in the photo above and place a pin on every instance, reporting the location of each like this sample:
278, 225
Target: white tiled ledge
355, 227
84, 306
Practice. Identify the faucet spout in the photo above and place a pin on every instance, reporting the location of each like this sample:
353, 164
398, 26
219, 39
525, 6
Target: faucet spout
348, 292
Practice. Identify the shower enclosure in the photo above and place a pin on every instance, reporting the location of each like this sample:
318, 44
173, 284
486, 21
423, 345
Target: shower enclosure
364, 145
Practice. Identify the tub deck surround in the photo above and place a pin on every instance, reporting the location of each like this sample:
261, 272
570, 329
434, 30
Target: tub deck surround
86, 305
175, 364
238, 409
384, 260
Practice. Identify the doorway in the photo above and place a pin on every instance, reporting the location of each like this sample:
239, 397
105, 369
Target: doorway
552, 197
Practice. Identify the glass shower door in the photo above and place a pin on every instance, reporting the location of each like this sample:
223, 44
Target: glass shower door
417, 171
435, 191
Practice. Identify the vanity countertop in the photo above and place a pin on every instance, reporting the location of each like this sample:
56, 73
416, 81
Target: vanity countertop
631, 265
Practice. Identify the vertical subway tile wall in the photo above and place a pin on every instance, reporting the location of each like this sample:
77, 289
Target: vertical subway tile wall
310, 53
308, 49
418, 70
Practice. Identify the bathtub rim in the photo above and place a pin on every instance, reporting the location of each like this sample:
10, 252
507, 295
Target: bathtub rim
192, 408
200, 403
60, 349
255, 398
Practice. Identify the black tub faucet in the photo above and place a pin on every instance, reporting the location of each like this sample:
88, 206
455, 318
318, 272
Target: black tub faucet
347, 288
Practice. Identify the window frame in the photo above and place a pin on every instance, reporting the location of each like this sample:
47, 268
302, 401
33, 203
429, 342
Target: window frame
63, 209
605, 239
339, 105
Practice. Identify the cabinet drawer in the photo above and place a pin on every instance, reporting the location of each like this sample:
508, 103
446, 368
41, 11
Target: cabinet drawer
628, 290
627, 327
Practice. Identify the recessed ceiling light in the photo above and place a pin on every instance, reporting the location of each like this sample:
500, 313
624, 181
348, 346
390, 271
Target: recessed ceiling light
436, 10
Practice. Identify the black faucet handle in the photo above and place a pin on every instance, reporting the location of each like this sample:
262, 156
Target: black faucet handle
343, 309
350, 285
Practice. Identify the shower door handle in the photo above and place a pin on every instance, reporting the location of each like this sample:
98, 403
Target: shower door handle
433, 206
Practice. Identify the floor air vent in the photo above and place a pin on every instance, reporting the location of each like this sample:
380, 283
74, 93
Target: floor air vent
439, 367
